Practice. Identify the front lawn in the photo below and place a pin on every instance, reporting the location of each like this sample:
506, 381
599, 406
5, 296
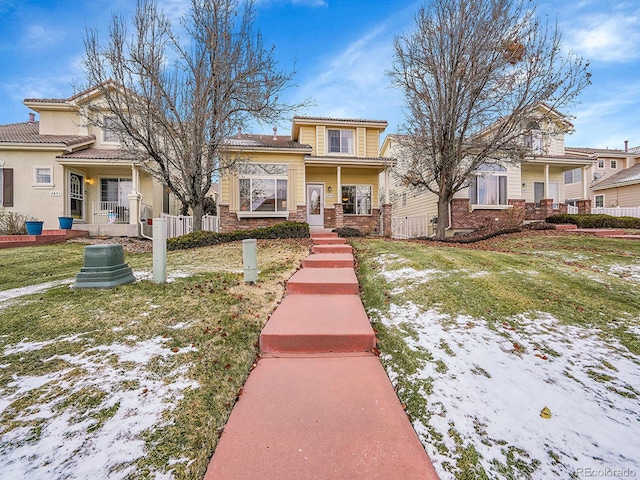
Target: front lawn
135, 381
483, 342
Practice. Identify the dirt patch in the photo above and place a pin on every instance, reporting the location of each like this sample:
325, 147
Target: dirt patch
129, 245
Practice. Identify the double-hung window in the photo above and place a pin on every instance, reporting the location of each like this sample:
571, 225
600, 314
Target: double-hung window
573, 176
263, 187
356, 199
109, 133
340, 141
599, 201
43, 177
489, 186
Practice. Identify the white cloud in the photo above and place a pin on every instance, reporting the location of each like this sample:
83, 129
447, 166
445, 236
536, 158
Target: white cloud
607, 36
39, 36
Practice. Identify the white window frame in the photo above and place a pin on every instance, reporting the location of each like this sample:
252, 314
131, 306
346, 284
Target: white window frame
614, 164
122, 201
252, 173
575, 176
108, 135
347, 142
357, 204
490, 173
595, 201
39, 184
600, 163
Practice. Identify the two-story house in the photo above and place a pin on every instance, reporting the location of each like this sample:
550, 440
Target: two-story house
59, 165
612, 181
325, 173
534, 184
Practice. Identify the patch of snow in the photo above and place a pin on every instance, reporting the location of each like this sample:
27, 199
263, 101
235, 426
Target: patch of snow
14, 293
66, 443
630, 272
407, 273
171, 276
26, 346
497, 382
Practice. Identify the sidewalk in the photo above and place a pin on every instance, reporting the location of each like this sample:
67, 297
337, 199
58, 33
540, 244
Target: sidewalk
319, 404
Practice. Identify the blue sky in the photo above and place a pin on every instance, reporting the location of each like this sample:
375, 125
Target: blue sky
341, 50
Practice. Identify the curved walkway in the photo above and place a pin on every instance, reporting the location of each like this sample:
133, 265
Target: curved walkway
319, 404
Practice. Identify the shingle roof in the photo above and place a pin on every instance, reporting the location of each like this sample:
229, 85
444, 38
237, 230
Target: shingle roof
628, 175
29, 132
592, 151
98, 154
265, 141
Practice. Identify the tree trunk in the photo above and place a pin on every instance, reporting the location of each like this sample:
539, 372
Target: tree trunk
198, 211
443, 218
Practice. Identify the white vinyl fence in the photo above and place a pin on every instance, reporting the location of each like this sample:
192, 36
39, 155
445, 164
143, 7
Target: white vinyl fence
410, 227
618, 211
572, 209
181, 225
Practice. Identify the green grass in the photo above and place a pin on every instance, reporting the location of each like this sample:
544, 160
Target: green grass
568, 277
207, 325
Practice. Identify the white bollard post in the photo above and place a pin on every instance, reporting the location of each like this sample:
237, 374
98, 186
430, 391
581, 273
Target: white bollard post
250, 260
159, 250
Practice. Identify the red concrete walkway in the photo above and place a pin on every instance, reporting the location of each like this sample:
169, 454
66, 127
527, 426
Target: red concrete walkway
319, 405
48, 236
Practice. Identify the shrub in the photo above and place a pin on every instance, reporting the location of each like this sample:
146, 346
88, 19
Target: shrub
595, 221
348, 232
204, 239
12, 223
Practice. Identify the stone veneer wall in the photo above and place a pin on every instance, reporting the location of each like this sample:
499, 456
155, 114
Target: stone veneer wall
229, 222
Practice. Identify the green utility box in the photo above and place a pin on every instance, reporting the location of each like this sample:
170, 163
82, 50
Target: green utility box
104, 267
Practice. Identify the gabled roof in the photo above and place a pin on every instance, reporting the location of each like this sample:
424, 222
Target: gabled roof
628, 176
29, 133
600, 152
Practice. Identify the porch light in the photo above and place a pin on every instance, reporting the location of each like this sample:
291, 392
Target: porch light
89, 180
329, 189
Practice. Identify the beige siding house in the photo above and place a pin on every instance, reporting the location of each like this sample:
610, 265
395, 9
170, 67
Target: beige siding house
534, 185
326, 173
611, 180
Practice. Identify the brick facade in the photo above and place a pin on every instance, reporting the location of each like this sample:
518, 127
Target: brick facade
386, 219
584, 206
463, 217
229, 222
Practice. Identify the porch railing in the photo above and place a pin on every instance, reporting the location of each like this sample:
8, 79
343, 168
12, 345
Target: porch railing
178, 225
109, 213
573, 210
410, 227
618, 211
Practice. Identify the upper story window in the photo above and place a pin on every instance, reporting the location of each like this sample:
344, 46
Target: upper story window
109, 133
340, 141
263, 187
600, 163
489, 186
533, 139
614, 164
573, 176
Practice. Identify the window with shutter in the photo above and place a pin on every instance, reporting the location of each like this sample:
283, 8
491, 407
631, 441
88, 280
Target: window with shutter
7, 187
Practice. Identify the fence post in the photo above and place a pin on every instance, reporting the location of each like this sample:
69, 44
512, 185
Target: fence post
250, 260
159, 250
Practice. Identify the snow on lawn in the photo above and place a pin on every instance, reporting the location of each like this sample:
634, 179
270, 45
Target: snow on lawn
496, 384
100, 438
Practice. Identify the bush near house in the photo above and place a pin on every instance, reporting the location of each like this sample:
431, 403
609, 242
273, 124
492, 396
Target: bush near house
204, 239
348, 232
12, 223
594, 220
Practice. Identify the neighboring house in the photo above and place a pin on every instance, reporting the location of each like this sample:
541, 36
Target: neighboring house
535, 185
325, 173
612, 181
59, 166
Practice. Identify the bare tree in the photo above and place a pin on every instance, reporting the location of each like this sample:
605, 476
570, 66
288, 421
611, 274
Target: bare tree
473, 72
173, 101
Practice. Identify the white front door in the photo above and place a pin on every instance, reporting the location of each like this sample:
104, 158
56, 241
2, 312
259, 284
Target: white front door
315, 205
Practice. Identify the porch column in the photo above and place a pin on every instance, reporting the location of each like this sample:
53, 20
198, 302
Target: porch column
584, 182
339, 184
386, 186
546, 180
134, 196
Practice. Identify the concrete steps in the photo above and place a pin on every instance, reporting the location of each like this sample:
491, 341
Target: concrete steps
319, 404
323, 281
328, 260
318, 324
